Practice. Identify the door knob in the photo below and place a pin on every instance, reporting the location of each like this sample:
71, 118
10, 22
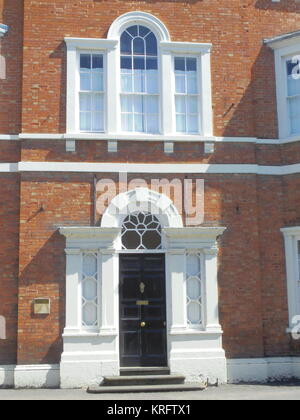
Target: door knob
143, 324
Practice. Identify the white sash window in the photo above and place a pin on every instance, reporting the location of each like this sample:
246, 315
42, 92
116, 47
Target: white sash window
91, 94
124, 85
293, 94
139, 80
186, 95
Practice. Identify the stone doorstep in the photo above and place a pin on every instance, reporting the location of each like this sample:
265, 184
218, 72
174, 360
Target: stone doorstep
143, 380
145, 388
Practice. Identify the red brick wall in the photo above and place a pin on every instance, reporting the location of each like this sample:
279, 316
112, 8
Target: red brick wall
46, 203
11, 13
9, 230
242, 69
252, 283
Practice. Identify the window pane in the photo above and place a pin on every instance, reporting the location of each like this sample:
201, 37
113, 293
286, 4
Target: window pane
89, 314
126, 103
151, 44
293, 85
126, 81
180, 84
191, 64
192, 123
194, 313
180, 104
138, 104
138, 80
97, 102
97, 81
126, 43
138, 123
151, 64
85, 121
127, 122
85, 81
151, 81
126, 63
143, 31
194, 288
97, 121
180, 123
151, 104
85, 102
85, 61
97, 61
192, 104
179, 64
294, 108
191, 83
133, 30
138, 46
152, 123
139, 63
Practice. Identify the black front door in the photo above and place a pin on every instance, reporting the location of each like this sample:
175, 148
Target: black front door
142, 310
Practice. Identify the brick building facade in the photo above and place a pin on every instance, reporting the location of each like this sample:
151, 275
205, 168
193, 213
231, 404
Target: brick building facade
68, 121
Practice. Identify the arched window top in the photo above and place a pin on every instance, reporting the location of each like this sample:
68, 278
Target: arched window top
133, 19
141, 230
138, 40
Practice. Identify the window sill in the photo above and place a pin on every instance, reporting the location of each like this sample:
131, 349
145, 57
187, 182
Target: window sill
138, 137
189, 331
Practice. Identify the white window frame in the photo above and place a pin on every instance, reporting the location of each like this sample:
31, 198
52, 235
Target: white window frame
199, 93
77, 88
75, 47
110, 48
291, 239
285, 48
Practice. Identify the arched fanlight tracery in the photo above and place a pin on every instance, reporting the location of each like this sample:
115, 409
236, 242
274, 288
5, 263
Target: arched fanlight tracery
141, 230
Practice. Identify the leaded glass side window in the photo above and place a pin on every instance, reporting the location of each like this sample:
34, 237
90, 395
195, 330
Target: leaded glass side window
139, 80
193, 289
89, 292
141, 230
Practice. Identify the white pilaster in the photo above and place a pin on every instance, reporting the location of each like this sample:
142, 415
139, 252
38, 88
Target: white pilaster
175, 261
73, 278
211, 290
109, 301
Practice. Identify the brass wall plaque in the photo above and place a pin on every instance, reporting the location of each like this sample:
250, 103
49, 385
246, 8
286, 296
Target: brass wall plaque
41, 306
142, 302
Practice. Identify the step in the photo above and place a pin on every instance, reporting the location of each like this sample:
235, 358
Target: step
143, 380
145, 388
136, 371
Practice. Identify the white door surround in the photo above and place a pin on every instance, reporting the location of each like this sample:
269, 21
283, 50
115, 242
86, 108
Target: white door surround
93, 352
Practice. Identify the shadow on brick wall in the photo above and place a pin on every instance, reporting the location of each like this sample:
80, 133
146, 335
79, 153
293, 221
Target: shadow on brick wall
60, 53
40, 337
283, 6
259, 97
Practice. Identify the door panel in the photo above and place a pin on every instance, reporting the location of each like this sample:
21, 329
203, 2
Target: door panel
142, 310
